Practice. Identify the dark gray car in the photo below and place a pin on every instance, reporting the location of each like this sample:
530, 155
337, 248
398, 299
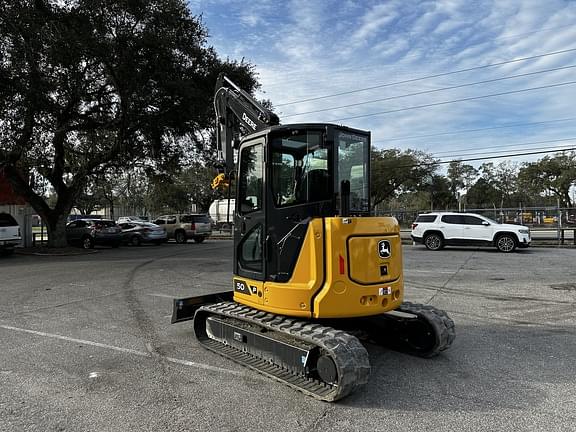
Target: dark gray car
89, 232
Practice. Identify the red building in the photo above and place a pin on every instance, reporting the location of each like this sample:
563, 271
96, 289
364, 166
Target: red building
7, 194
16, 205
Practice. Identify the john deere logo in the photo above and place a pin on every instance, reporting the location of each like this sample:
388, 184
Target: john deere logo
384, 249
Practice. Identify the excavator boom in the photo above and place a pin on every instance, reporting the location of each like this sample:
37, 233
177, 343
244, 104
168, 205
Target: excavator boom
236, 112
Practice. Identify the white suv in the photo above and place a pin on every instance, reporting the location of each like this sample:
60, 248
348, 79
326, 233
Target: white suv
10, 236
436, 230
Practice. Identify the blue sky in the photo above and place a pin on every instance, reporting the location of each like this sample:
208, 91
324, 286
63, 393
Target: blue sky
305, 49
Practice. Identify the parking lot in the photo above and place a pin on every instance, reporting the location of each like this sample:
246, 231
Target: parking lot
87, 345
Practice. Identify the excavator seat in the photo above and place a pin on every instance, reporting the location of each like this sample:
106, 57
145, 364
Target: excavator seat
315, 186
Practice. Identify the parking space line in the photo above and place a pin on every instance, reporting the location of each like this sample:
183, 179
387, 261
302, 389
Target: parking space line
429, 271
123, 350
161, 295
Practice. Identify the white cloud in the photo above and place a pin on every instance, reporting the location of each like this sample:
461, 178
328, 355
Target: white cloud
374, 20
304, 49
251, 20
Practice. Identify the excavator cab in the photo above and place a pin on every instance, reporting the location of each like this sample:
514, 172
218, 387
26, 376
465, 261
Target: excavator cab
302, 181
304, 242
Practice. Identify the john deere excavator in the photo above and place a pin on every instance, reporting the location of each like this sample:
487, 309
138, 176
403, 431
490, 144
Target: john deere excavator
314, 272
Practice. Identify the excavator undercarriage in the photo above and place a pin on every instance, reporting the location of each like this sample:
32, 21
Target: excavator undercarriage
324, 359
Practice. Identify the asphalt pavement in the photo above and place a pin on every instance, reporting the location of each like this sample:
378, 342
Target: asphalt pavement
87, 345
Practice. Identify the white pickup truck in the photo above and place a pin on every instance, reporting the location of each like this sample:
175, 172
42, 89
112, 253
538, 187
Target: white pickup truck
10, 236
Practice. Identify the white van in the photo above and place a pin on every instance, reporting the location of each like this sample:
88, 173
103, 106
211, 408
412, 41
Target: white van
222, 212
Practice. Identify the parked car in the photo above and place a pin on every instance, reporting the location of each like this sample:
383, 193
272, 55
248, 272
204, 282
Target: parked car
136, 233
436, 230
125, 219
182, 227
10, 235
90, 232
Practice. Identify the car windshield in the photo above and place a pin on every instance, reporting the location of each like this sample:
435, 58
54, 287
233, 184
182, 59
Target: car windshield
7, 220
491, 220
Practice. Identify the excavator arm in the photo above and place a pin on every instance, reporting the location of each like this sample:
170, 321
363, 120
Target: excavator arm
237, 114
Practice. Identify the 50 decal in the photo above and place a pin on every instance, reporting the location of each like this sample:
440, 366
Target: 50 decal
241, 287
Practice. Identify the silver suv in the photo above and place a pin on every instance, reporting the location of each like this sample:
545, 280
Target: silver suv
436, 230
10, 236
182, 227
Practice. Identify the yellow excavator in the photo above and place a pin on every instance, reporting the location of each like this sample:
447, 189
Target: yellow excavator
314, 273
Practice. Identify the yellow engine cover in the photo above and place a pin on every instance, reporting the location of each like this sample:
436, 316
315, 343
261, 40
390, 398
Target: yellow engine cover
347, 267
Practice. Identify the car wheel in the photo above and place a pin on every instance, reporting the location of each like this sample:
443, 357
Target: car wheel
87, 243
135, 241
434, 241
199, 239
506, 243
180, 237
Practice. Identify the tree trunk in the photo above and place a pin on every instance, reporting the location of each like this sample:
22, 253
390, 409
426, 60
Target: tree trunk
56, 225
111, 202
567, 200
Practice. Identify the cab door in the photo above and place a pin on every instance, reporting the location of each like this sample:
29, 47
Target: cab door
250, 220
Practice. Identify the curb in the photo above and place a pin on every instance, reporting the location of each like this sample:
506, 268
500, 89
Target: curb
55, 253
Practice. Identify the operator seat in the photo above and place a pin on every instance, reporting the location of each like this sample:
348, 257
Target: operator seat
315, 186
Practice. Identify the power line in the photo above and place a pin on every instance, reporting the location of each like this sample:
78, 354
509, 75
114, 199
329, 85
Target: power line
481, 158
462, 131
509, 155
452, 101
433, 91
429, 77
495, 152
437, 154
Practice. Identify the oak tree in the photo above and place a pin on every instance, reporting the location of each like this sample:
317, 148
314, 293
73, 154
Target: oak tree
88, 87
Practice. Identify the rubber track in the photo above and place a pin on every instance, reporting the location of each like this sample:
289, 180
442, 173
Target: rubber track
349, 355
442, 324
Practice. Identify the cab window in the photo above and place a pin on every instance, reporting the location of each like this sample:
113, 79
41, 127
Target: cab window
251, 178
353, 160
300, 169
